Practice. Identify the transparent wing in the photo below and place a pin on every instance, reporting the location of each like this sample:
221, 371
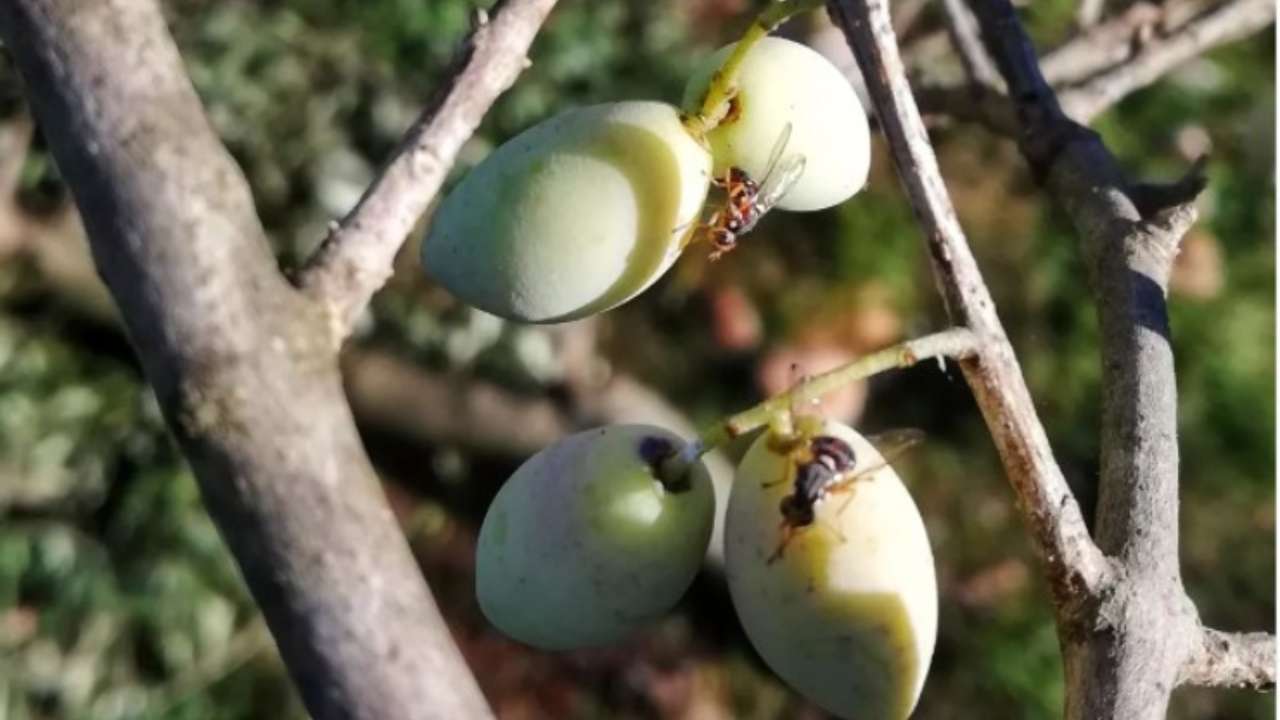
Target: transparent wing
893, 444
775, 154
779, 182
779, 174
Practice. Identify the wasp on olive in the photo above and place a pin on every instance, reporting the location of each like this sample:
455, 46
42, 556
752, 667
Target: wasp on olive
746, 201
819, 466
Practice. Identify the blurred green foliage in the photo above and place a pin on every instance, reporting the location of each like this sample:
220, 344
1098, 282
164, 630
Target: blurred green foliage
118, 599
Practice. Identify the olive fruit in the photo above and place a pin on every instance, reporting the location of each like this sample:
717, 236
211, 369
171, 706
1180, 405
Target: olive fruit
584, 544
573, 216
846, 611
783, 83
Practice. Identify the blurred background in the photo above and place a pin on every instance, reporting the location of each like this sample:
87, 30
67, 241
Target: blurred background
118, 599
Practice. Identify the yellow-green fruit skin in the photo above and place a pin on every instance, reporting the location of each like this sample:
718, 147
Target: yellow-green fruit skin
583, 546
851, 622
783, 82
572, 217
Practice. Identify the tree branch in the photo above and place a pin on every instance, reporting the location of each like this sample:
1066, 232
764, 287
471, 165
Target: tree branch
433, 408
15, 141
388, 394
1106, 44
241, 363
1073, 564
956, 343
1089, 12
1236, 660
1126, 662
962, 28
354, 261
1155, 57
1126, 625
972, 104
1099, 68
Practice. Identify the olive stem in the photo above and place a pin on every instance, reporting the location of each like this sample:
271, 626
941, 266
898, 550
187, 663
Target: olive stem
673, 471
956, 343
724, 83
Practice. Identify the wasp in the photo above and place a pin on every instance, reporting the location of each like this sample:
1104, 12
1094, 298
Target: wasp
746, 201
821, 466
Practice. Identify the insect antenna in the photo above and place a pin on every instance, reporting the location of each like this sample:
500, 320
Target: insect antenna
788, 534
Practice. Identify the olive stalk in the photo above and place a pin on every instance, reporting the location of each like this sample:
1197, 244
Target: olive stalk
956, 343
715, 103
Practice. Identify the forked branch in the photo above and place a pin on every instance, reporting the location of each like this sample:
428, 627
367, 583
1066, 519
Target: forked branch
1125, 661
1100, 67
354, 261
1153, 55
1073, 564
1128, 630
243, 365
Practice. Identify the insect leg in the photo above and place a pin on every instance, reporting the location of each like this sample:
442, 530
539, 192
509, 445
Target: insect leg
788, 476
723, 182
849, 484
723, 239
834, 530
788, 533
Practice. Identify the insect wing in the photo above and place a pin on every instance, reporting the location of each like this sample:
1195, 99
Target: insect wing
775, 154
891, 445
779, 174
779, 182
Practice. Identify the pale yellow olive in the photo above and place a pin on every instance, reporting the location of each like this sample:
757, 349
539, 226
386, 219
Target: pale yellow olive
848, 613
583, 545
785, 83
572, 217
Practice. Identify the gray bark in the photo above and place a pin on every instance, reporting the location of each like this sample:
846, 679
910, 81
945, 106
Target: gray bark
245, 365
1129, 633
242, 363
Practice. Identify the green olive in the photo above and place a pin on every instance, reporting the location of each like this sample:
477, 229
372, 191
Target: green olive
584, 545
785, 83
574, 216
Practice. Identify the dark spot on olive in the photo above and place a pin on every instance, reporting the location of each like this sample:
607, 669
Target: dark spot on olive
735, 111
656, 451
653, 450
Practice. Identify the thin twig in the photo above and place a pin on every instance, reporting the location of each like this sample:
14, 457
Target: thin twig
978, 105
1235, 660
1101, 67
715, 101
15, 141
354, 261
240, 363
1051, 511
1089, 12
1126, 660
1226, 23
907, 14
963, 31
1106, 44
957, 344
